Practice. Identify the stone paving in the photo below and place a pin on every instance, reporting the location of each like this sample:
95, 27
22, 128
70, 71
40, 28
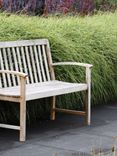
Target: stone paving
66, 136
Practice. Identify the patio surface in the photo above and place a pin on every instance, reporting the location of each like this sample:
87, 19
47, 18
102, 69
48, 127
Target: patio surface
66, 136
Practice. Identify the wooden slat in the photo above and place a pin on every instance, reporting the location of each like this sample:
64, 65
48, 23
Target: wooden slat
15, 62
37, 64
33, 64
23, 43
10, 63
41, 63
46, 64
2, 67
24, 62
10, 126
10, 98
29, 65
19, 59
73, 112
6, 67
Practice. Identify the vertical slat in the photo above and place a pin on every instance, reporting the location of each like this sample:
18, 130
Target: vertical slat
19, 59
24, 62
15, 62
11, 65
37, 64
6, 66
41, 63
29, 64
46, 64
2, 67
33, 63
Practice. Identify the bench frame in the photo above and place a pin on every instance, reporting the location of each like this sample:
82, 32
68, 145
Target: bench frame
22, 98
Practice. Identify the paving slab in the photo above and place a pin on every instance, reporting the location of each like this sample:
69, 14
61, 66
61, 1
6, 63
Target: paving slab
66, 136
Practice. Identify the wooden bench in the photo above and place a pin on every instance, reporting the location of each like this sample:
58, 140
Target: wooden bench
27, 73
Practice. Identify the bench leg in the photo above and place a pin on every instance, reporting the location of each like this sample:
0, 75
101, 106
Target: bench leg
22, 120
53, 105
88, 108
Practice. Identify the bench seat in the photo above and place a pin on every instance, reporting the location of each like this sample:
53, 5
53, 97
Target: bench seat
44, 89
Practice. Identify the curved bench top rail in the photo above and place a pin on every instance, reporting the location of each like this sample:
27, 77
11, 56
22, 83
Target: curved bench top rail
20, 43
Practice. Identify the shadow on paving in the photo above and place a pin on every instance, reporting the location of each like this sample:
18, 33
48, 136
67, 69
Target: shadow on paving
66, 136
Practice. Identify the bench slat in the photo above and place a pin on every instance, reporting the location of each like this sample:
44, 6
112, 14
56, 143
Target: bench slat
46, 64
11, 63
37, 64
6, 67
33, 63
15, 62
41, 64
24, 62
29, 65
19, 59
2, 75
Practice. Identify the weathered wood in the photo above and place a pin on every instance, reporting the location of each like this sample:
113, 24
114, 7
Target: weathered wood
24, 62
13, 72
46, 64
73, 112
16, 63
10, 98
6, 67
22, 109
41, 64
88, 95
37, 64
33, 58
10, 126
73, 63
53, 106
44, 89
23, 43
33, 64
2, 74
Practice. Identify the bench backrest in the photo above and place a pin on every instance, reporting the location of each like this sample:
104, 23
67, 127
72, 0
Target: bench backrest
29, 56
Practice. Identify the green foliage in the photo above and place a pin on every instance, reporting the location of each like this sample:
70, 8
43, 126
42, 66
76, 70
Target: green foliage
90, 39
106, 5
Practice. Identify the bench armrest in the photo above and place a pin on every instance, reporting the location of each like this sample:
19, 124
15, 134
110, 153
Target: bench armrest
73, 63
87, 66
13, 72
22, 80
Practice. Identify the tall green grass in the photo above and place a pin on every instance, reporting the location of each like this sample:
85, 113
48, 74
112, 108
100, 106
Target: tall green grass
90, 39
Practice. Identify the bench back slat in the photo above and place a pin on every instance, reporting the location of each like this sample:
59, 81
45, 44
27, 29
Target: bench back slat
3, 75
28, 56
